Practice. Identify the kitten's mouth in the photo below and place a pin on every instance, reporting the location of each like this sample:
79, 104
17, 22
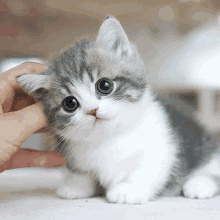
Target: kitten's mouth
97, 120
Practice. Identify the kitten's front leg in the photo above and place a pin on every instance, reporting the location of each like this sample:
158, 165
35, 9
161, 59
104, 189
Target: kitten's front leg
201, 187
139, 188
127, 193
77, 186
205, 182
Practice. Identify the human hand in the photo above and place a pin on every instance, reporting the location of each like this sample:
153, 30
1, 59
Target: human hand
21, 116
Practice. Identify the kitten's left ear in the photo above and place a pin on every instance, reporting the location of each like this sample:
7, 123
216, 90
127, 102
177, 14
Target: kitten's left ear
34, 84
112, 37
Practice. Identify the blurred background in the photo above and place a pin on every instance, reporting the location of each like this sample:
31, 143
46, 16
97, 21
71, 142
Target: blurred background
178, 39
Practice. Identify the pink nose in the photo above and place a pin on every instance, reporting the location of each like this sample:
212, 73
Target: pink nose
92, 112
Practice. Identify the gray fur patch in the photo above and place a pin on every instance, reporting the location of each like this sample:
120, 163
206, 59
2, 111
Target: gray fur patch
197, 146
62, 121
127, 84
116, 45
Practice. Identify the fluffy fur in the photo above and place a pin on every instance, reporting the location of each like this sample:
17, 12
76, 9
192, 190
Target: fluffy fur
137, 146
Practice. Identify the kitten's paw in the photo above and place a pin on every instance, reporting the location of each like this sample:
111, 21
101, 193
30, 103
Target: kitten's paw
200, 187
68, 192
126, 193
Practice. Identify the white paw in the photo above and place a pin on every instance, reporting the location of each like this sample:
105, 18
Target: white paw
68, 192
126, 193
200, 187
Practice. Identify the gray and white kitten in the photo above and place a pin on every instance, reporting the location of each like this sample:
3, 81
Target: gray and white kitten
114, 131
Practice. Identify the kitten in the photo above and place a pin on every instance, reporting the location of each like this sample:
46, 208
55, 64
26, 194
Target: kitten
112, 128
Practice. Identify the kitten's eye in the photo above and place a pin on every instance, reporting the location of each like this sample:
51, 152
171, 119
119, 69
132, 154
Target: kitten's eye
104, 86
70, 104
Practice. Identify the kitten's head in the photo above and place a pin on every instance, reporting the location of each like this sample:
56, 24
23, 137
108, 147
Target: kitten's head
91, 85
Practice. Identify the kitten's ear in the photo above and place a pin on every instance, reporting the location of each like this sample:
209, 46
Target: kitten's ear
112, 37
34, 84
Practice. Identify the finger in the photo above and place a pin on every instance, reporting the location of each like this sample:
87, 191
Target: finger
20, 101
32, 158
9, 76
6, 151
17, 126
6, 96
8, 83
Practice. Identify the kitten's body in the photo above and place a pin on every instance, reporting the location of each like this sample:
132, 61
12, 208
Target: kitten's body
133, 145
109, 153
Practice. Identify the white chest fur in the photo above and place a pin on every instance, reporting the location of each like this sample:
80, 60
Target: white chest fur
148, 146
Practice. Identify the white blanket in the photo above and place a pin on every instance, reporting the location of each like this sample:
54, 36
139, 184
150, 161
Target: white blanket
29, 193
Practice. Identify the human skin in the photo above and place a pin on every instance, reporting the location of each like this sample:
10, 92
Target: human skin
21, 116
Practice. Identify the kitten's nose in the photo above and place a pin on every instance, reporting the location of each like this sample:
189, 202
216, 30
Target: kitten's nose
92, 112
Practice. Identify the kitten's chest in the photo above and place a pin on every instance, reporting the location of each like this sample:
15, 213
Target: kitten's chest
109, 161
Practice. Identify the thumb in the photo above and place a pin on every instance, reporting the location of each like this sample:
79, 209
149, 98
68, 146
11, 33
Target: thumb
17, 126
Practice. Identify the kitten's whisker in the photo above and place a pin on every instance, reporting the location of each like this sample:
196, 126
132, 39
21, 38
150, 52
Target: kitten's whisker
49, 146
47, 137
71, 131
64, 142
54, 142
63, 145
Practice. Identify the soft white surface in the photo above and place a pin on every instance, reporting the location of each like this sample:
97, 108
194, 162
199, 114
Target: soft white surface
38, 201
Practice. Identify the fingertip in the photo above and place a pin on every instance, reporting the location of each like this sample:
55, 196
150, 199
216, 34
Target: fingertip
24, 122
33, 117
40, 106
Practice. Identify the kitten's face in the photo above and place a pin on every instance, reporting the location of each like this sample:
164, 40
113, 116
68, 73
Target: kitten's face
92, 85
85, 104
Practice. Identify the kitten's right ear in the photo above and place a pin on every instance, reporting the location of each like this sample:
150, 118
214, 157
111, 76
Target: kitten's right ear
112, 37
34, 84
